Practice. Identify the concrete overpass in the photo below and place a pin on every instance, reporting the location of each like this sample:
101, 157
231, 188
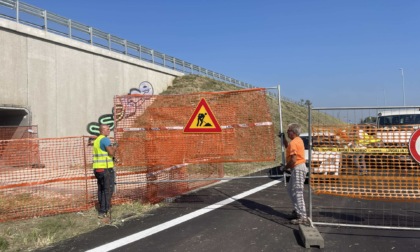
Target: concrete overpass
62, 85
62, 75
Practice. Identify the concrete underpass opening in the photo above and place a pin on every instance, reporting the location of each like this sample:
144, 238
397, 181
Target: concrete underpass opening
15, 123
14, 116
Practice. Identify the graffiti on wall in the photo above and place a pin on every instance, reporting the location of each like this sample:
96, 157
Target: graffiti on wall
130, 107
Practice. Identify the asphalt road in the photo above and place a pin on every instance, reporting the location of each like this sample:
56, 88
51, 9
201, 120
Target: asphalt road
255, 222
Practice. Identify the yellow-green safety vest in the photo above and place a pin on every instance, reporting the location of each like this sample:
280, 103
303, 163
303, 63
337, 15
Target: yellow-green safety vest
101, 159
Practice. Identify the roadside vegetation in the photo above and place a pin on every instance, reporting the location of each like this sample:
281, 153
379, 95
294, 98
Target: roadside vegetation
40, 232
35, 233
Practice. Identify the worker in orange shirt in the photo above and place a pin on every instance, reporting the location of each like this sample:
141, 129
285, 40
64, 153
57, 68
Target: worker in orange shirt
295, 162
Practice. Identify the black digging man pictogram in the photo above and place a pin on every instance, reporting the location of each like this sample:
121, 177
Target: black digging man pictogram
200, 120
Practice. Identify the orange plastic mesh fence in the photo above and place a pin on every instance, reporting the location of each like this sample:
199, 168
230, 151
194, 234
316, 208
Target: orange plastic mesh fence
173, 181
364, 161
43, 177
155, 159
18, 132
40, 177
150, 129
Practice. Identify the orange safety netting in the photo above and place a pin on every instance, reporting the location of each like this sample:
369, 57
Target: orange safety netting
150, 129
40, 177
364, 161
155, 159
43, 177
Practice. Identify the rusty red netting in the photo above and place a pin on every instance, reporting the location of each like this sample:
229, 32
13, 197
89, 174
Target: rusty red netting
150, 129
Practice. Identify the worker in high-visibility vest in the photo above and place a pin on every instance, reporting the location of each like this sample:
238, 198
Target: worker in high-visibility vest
103, 167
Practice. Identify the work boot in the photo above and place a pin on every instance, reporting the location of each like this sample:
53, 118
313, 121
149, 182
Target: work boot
301, 220
293, 216
102, 215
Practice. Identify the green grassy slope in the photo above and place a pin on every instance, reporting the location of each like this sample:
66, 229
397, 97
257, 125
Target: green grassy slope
291, 112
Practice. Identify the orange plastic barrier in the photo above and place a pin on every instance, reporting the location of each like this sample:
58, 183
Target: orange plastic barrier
150, 129
42, 177
57, 177
155, 158
12, 151
363, 161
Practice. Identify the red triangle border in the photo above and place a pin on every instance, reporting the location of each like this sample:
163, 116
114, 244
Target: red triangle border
188, 129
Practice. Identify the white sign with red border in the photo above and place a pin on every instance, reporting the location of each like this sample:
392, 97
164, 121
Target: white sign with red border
414, 145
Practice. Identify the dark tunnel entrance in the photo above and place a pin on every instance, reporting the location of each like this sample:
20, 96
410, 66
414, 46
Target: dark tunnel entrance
14, 123
10, 116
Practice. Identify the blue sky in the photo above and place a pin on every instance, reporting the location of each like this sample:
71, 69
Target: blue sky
332, 52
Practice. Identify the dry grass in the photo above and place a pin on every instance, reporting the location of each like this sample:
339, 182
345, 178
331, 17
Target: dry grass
291, 112
35, 233
195, 83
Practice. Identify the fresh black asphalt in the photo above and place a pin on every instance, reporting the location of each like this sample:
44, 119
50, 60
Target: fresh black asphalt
257, 222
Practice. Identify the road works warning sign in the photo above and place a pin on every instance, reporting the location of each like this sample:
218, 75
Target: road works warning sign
202, 120
414, 145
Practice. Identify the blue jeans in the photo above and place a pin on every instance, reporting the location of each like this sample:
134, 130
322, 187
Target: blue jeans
106, 182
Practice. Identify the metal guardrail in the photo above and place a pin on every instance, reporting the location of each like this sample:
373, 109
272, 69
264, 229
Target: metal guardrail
33, 16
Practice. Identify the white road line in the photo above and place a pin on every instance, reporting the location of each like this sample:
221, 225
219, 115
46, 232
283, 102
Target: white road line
153, 230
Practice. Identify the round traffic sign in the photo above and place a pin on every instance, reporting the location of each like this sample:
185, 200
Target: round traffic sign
414, 145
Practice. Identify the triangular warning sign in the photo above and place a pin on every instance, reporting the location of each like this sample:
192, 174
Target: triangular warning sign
202, 120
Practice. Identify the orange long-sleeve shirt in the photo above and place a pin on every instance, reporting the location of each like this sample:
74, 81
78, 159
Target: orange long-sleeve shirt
296, 147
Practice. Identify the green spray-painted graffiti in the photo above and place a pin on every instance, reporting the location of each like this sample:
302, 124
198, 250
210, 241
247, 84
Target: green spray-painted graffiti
93, 128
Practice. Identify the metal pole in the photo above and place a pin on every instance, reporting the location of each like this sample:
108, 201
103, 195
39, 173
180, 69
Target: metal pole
69, 24
283, 157
91, 35
125, 47
17, 11
310, 158
402, 75
45, 20
86, 171
109, 41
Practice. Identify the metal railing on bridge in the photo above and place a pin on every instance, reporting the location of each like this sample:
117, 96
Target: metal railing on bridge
33, 16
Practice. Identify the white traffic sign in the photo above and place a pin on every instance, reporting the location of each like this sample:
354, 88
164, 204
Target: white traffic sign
414, 145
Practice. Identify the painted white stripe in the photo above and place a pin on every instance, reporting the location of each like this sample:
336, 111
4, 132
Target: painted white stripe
153, 230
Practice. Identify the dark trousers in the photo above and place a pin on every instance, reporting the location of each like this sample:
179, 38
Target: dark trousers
106, 182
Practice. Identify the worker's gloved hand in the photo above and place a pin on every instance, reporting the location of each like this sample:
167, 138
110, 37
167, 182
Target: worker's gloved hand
283, 169
115, 144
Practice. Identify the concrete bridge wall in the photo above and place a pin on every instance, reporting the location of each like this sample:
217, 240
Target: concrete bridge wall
65, 85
